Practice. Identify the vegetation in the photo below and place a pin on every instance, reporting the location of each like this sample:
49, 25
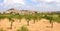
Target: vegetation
2, 17
19, 17
28, 17
11, 19
2, 30
52, 17
23, 28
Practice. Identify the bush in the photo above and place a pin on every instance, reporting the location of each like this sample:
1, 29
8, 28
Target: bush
2, 30
23, 28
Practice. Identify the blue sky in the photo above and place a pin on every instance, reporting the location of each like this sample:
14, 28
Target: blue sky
1, 1
39, 5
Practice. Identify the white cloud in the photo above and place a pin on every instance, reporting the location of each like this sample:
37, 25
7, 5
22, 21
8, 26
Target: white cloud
42, 5
10, 2
46, 0
52, 0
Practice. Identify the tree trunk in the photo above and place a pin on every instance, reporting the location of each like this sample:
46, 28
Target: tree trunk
50, 21
51, 24
0, 19
28, 23
11, 25
37, 20
0, 22
20, 20
34, 21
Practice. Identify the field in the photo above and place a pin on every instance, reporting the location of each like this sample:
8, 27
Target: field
28, 22
42, 25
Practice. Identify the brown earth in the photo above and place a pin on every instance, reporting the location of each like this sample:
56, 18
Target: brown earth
42, 25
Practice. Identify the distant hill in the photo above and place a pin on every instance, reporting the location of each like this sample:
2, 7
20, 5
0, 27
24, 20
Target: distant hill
14, 11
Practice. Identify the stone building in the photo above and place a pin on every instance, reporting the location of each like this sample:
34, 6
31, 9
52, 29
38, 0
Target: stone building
14, 11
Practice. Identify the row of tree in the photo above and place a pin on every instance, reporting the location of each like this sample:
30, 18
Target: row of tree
28, 17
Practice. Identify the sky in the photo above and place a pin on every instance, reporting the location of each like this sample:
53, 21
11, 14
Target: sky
38, 5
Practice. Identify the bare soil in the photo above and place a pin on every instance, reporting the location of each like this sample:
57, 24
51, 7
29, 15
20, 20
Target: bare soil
42, 25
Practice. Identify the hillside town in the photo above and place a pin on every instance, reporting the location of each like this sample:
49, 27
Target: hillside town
14, 11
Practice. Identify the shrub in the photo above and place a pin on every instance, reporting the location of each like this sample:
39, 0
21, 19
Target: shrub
2, 30
23, 28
